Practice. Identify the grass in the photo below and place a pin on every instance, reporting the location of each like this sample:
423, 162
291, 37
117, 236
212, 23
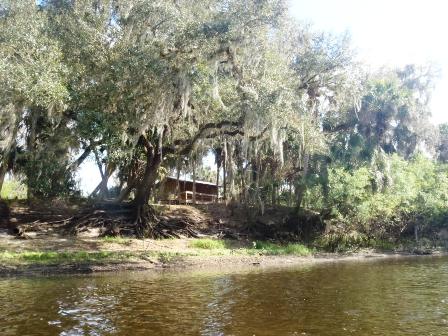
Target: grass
259, 247
62, 257
208, 244
117, 240
267, 248
199, 248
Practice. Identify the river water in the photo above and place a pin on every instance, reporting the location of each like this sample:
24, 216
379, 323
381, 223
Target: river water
387, 297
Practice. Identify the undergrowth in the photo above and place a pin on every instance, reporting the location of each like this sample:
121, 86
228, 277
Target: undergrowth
117, 240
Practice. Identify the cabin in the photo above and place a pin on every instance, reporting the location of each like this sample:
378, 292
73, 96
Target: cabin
206, 192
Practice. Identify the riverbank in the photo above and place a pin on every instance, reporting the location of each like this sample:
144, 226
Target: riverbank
45, 247
71, 256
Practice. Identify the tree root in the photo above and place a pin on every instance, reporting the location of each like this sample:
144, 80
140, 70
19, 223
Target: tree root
124, 219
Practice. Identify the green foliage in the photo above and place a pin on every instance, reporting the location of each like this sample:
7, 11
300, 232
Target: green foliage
416, 194
47, 178
348, 189
146, 84
345, 242
13, 189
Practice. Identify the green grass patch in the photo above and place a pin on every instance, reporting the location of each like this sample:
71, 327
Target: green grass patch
267, 248
117, 240
259, 247
208, 244
61, 257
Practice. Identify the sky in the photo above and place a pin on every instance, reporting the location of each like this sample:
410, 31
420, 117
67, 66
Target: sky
384, 32
388, 32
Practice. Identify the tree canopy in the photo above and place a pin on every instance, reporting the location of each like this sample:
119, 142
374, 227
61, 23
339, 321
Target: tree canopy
142, 85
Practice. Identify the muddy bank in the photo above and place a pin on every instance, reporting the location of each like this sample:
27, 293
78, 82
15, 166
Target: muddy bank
181, 263
45, 248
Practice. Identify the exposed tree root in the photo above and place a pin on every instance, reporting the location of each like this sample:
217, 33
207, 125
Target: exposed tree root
124, 219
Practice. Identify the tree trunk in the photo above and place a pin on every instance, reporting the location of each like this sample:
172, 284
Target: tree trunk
9, 127
257, 189
3, 169
218, 161
290, 194
75, 165
104, 177
101, 188
194, 182
217, 182
5, 163
301, 187
145, 188
179, 164
224, 173
230, 169
125, 192
416, 233
31, 147
144, 217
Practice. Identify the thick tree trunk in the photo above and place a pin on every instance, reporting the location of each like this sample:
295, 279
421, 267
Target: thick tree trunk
146, 186
144, 218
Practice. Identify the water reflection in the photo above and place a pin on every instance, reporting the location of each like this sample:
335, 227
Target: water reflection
398, 297
84, 312
222, 296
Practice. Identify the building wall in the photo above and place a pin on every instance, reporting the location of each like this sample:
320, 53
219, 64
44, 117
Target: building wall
168, 188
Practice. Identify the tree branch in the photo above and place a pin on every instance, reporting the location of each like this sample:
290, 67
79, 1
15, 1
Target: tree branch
75, 165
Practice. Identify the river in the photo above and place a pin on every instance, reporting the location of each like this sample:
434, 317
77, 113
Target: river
383, 297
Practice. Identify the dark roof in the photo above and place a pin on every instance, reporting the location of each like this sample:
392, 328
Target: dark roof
190, 180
